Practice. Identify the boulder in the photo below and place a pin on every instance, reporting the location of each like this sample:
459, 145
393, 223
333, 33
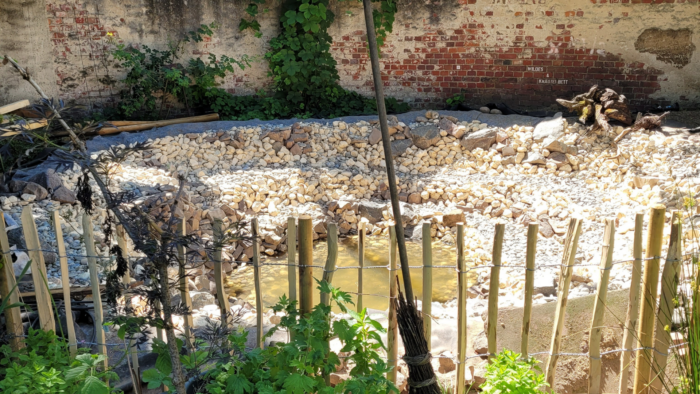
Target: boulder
485, 110
63, 195
458, 131
375, 136
48, 179
17, 186
200, 299
372, 211
481, 344
447, 364
508, 151
399, 147
446, 125
453, 217
33, 188
553, 128
216, 214
201, 282
556, 145
558, 158
534, 158
480, 139
425, 136
415, 198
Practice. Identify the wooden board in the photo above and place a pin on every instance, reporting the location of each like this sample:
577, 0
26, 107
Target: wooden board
65, 276
89, 241
6, 109
44, 302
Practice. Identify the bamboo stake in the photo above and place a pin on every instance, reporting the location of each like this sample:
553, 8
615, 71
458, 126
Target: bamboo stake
9, 291
669, 289
629, 339
89, 241
221, 295
427, 283
494, 288
361, 262
255, 232
150, 125
292, 257
188, 321
532, 230
44, 301
392, 329
306, 260
331, 260
596, 330
568, 259
645, 332
65, 280
135, 369
461, 310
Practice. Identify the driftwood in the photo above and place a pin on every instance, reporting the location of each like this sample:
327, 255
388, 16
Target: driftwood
648, 122
602, 105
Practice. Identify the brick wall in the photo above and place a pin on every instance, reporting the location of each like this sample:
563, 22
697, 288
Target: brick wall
525, 53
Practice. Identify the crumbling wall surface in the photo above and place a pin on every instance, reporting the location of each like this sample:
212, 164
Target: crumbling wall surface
522, 52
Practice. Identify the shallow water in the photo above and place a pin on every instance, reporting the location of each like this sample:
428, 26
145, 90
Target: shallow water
376, 281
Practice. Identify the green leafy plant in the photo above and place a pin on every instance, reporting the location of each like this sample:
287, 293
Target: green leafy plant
508, 373
455, 100
88, 378
300, 365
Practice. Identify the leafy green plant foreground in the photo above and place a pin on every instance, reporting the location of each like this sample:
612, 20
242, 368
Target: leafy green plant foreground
508, 373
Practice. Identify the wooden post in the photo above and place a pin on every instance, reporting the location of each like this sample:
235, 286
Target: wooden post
461, 311
392, 332
89, 241
292, 258
188, 321
9, 290
361, 262
532, 230
427, 283
306, 260
331, 260
669, 290
568, 259
126, 280
596, 330
65, 281
494, 288
221, 295
255, 232
629, 340
645, 332
44, 302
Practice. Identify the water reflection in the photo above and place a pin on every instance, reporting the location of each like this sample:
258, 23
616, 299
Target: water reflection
376, 281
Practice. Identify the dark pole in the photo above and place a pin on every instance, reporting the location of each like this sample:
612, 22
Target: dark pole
381, 110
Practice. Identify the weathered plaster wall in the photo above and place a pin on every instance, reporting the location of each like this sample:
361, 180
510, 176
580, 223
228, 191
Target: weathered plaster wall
522, 52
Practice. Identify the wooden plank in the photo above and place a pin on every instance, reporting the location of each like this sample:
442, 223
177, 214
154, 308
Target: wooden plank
221, 295
596, 330
255, 232
58, 293
150, 125
461, 311
645, 332
531, 252
331, 260
134, 367
292, 257
629, 338
188, 321
494, 288
65, 279
361, 263
6, 109
306, 260
427, 283
89, 241
44, 302
664, 318
392, 324
8, 282
568, 259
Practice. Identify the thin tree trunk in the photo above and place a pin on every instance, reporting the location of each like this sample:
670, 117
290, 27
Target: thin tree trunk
178, 376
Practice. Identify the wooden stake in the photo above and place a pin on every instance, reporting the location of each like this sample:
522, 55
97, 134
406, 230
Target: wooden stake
9, 291
494, 288
532, 230
89, 241
126, 280
568, 259
65, 280
331, 260
461, 310
255, 232
392, 329
306, 260
292, 257
188, 321
44, 301
221, 295
645, 333
361, 262
427, 283
596, 330
629, 340
664, 318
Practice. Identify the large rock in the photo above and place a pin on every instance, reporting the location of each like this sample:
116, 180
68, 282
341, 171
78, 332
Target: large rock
480, 139
424, 136
553, 128
546, 229
372, 211
35, 189
534, 158
48, 179
375, 136
558, 158
201, 299
450, 219
64, 195
481, 344
415, 198
446, 124
399, 147
17, 185
556, 145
